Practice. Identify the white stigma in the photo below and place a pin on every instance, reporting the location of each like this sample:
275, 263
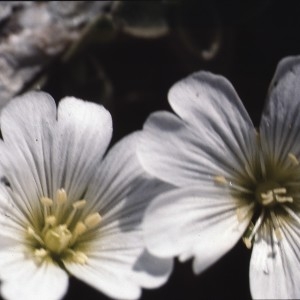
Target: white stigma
275, 195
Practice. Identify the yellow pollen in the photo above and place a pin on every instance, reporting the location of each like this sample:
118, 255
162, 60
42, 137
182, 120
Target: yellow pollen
92, 220
220, 179
79, 204
40, 252
247, 242
61, 196
293, 159
252, 230
47, 202
78, 256
40, 255
79, 229
247, 237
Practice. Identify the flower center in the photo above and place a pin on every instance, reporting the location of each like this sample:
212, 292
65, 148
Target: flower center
62, 228
270, 193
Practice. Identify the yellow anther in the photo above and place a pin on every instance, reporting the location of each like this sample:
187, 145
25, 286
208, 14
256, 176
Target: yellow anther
80, 258
220, 179
41, 253
61, 196
247, 242
92, 220
79, 229
293, 159
79, 204
46, 201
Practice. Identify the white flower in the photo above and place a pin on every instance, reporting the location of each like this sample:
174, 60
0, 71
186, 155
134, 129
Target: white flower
66, 209
232, 180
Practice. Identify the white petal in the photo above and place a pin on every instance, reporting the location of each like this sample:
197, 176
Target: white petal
26, 124
275, 266
13, 217
215, 136
22, 278
83, 133
206, 95
210, 103
114, 178
109, 266
120, 189
281, 121
199, 222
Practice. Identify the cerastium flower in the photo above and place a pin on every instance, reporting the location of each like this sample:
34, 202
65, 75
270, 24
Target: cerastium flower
65, 208
233, 180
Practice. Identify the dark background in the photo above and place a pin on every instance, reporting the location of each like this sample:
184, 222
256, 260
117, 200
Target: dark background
130, 74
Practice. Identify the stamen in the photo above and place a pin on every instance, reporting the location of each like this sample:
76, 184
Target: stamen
92, 220
76, 205
252, 230
293, 159
246, 239
41, 253
32, 233
61, 196
79, 229
220, 179
47, 202
79, 204
78, 256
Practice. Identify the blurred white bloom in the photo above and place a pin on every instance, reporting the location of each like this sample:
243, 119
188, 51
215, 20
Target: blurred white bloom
66, 209
232, 180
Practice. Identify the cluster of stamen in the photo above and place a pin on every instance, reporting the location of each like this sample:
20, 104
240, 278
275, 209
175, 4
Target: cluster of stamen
271, 196
62, 228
